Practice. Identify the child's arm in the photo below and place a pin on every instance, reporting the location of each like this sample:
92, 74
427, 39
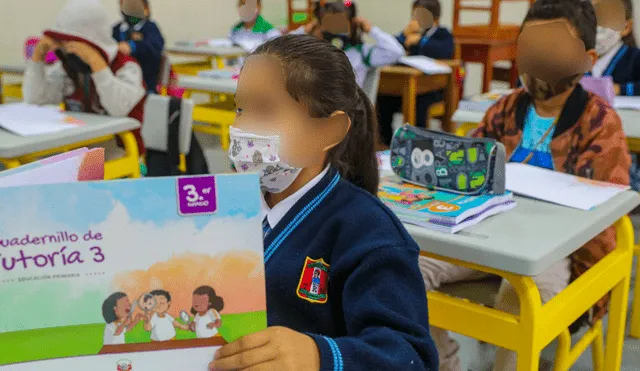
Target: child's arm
387, 322
179, 325
437, 48
121, 92
151, 46
632, 87
45, 85
492, 124
386, 51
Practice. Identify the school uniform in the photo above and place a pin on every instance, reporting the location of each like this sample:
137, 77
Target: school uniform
341, 268
436, 43
115, 91
622, 63
261, 32
147, 44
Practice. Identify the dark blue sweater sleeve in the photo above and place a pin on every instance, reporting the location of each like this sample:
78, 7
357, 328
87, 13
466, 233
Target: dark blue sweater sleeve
386, 317
437, 48
116, 32
151, 46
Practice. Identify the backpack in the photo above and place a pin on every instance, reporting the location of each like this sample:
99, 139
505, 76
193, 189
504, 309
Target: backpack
166, 143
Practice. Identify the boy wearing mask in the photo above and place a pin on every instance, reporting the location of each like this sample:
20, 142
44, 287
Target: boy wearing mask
252, 29
141, 38
553, 123
91, 74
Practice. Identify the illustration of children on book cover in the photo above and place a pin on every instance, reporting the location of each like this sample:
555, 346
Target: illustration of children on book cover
118, 276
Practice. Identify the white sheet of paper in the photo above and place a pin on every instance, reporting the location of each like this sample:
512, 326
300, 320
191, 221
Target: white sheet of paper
65, 171
249, 45
27, 119
622, 102
559, 188
384, 161
427, 65
220, 43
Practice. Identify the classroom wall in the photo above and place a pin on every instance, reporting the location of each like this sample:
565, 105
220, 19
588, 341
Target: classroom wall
198, 19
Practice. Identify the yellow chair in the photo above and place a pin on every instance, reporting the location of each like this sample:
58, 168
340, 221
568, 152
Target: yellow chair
216, 117
465, 129
635, 308
537, 325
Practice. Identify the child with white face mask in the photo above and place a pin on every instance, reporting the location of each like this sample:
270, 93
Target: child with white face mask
618, 56
253, 29
343, 286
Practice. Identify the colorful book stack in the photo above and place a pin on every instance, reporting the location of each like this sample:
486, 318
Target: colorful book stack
441, 211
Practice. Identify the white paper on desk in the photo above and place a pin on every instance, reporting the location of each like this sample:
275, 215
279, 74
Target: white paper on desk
559, 188
627, 103
427, 65
220, 43
249, 45
28, 119
384, 161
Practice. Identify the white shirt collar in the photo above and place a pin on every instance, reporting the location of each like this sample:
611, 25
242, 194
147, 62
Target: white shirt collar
431, 31
275, 215
603, 62
124, 26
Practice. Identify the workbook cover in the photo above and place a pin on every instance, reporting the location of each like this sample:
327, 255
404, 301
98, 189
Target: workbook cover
146, 274
418, 202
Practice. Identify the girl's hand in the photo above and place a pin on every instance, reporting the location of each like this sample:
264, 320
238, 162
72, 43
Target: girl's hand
192, 327
412, 28
276, 348
308, 28
88, 54
364, 24
124, 48
616, 89
412, 40
44, 46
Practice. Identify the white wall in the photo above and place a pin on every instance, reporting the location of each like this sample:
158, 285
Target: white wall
197, 19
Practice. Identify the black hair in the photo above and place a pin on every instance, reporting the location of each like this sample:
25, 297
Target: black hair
215, 302
320, 76
161, 293
579, 13
108, 307
630, 39
347, 7
431, 5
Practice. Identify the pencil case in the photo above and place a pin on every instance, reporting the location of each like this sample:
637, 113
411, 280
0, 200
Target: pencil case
441, 161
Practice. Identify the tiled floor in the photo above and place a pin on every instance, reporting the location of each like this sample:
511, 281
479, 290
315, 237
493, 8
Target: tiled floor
476, 357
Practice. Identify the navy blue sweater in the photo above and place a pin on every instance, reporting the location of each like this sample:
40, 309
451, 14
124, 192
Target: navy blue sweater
148, 50
624, 69
342, 268
440, 45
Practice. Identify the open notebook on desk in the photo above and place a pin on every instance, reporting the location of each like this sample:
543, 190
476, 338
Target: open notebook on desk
559, 188
29, 119
427, 65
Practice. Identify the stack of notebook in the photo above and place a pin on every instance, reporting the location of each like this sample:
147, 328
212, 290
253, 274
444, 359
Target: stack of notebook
442, 211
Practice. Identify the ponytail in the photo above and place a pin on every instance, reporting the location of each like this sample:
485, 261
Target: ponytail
355, 157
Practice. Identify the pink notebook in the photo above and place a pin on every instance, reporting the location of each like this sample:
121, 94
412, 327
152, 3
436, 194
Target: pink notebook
602, 86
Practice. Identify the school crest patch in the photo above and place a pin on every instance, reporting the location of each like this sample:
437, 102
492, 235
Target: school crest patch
314, 281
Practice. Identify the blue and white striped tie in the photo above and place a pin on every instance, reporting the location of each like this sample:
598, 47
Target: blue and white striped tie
266, 228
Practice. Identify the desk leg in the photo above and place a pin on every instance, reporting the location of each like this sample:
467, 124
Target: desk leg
10, 163
219, 63
409, 101
450, 104
132, 154
1, 90
488, 74
617, 319
635, 308
513, 79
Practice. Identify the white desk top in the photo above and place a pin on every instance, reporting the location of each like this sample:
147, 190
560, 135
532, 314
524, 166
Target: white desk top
95, 126
15, 69
207, 51
528, 239
228, 86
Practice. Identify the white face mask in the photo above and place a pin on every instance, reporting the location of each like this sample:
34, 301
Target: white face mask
606, 39
259, 154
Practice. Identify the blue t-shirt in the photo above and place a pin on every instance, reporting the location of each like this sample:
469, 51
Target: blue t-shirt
535, 127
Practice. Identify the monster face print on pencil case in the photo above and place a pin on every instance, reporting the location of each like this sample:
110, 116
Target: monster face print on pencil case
446, 162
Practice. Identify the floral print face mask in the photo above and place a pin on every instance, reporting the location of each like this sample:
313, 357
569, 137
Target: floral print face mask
259, 154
